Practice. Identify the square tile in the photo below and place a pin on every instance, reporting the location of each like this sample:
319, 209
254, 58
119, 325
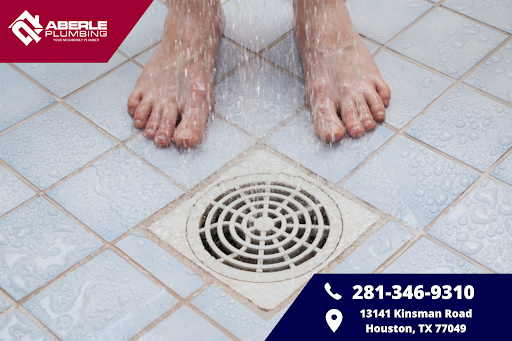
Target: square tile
480, 226
64, 78
115, 194
148, 30
51, 146
13, 191
495, 76
382, 20
228, 57
189, 167
412, 86
410, 182
368, 257
38, 243
497, 13
184, 324
233, 316
105, 102
448, 42
17, 327
160, 264
256, 24
286, 54
468, 126
503, 171
106, 299
299, 141
4, 304
272, 280
426, 257
19, 98
258, 98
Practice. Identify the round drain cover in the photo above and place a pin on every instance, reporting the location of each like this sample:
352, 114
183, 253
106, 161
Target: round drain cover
264, 227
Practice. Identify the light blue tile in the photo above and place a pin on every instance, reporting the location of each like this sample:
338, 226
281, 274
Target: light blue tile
497, 13
184, 325
286, 54
371, 46
410, 182
17, 327
448, 42
115, 194
38, 243
468, 126
376, 250
13, 191
228, 57
51, 146
299, 141
255, 24
495, 76
144, 58
413, 88
427, 257
4, 304
503, 171
106, 299
233, 316
382, 20
221, 143
64, 78
258, 98
161, 264
147, 32
480, 226
105, 102
19, 98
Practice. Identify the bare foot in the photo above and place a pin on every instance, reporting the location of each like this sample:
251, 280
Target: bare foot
178, 79
341, 75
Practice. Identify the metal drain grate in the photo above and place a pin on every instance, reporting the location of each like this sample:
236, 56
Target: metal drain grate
264, 227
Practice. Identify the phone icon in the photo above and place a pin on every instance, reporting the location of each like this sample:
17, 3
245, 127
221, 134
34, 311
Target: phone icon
327, 287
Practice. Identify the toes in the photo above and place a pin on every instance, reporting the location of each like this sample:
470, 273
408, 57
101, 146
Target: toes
351, 119
142, 113
327, 123
166, 128
134, 101
384, 91
377, 108
153, 123
193, 121
366, 116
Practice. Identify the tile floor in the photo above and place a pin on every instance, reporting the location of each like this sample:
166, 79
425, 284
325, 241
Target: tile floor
80, 188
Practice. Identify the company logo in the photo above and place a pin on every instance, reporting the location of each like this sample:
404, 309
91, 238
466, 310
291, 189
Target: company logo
30, 34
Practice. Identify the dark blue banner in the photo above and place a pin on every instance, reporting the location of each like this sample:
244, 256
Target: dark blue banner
391, 307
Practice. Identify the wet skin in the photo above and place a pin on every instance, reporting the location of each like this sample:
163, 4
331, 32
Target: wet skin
342, 79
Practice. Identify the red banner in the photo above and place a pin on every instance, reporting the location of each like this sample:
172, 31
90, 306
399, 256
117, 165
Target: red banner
64, 31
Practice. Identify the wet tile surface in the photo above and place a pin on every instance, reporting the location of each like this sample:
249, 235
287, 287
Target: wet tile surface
258, 98
105, 102
106, 299
369, 256
233, 316
413, 88
17, 326
184, 324
222, 143
286, 54
453, 54
228, 57
64, 78
38, 242
426, 257
298, 140
4, 304
147, 31
19, 98
144, 58
468, 126
497, 13
244, 20
13, 191
410, 182
115, 194
371, 46
51, 146
162, 265
495, 76
479, 226
504, 170
382, 20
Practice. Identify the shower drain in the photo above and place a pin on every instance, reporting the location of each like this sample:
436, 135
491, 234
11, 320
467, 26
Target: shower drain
264, 227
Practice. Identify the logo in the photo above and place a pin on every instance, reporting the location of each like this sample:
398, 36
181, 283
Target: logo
31, 34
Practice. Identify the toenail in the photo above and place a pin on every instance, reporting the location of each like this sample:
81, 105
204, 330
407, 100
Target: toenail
137, 122
186, 134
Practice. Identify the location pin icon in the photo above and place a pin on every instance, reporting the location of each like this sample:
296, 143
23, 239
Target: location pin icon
334, 318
